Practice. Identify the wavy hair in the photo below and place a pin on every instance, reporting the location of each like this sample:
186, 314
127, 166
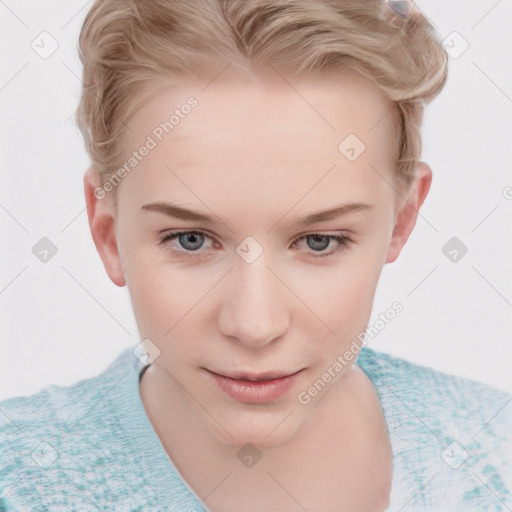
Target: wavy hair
127, 47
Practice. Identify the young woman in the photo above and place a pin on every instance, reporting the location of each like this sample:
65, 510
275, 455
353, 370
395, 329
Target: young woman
254, 165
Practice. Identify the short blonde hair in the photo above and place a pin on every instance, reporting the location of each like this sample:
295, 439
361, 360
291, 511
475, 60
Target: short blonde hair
127, 46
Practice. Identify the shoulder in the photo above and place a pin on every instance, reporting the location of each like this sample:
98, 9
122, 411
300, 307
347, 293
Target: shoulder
55, 410
88, 446
430, 391
454, 429
58, 428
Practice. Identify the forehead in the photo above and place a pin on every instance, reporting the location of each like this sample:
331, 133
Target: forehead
264, 137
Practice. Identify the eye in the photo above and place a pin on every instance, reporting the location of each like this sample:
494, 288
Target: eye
191, 243
320, 241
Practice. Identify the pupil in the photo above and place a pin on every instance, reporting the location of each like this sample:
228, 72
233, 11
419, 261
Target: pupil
318, 238
192, 238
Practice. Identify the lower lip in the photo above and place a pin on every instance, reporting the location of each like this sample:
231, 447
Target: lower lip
255, 392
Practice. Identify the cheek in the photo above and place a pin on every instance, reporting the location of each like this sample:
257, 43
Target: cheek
165, 316
344, 297
156, 299
169, 303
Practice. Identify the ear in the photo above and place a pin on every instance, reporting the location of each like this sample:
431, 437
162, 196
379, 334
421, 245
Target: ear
408, 213
101, 215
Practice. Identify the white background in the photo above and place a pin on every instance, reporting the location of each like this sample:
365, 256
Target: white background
64, 320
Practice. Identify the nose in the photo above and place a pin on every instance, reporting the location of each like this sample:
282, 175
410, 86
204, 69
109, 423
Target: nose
254, 305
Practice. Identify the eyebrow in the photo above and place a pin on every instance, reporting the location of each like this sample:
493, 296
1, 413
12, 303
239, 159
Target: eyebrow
179, 212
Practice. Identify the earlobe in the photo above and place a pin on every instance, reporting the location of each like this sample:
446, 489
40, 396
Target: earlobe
408, 214
100, 213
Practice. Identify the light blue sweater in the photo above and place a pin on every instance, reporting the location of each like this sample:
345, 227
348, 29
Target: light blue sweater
90, 446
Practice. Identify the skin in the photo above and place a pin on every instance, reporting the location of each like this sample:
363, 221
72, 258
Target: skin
257, 156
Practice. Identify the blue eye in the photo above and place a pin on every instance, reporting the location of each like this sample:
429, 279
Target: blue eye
191, 243
322, 241
186, 238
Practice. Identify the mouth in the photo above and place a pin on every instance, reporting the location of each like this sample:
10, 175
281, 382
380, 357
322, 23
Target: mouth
251, 377
255, 388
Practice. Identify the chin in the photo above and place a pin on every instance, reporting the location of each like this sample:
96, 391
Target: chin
263, 428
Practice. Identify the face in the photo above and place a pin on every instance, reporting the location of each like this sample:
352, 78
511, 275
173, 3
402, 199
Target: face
262, 285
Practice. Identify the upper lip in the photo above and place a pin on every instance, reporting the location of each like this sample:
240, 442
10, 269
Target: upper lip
257, 376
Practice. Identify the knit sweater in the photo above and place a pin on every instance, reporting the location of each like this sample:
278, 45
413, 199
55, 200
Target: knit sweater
91, 446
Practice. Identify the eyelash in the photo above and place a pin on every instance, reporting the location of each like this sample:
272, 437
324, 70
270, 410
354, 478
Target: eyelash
343, 241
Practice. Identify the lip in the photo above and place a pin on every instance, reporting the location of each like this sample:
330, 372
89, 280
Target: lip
254, 377
255, 388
